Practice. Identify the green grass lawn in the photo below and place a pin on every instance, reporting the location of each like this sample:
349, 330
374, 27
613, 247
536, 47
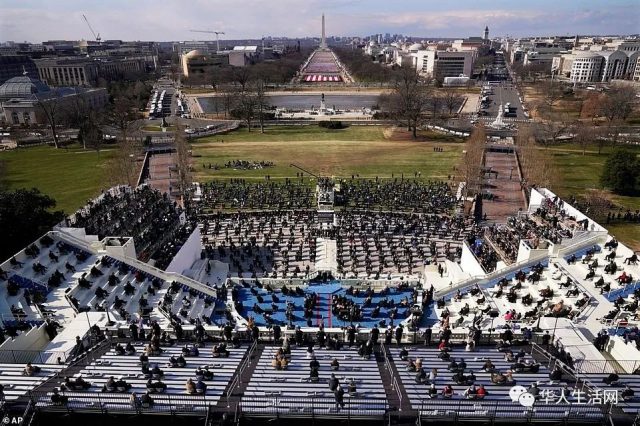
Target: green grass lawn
579, 173
355, 150
71, 176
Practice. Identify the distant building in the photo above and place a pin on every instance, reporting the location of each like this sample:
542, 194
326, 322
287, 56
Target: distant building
590, 66
485, 34
441, 64
78, 71
15, 66
21, 99
198, 62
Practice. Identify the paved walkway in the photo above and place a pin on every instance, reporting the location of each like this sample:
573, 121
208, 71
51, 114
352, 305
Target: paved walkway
505, 186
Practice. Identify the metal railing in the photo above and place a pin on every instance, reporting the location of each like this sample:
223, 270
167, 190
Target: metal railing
313, 406
120, 403
394, 380
490, 410
236, 382
8, 356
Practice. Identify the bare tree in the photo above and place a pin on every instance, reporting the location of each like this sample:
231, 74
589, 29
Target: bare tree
123, 117
183, 165
451, 99
616, 106
470, 167
537, 164
410, 99
52, 111
583, 136
261, 101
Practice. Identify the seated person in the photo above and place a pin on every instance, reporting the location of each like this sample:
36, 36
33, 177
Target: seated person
481, 392
120, 349
156, 386
156, 372
190, 387
611, 379
110, 386
352, 388
488, 366
313, 375
432, 392
144, 359
404, 354
447, 392
471, 392
206, 373
556, 374
30, 370
498, 378
421, 376
201, 387
146, 401
220, 351
314, 364
627, 393
459, 377
130, 349
121, 385
75, 384
177, 361
453, 366
57, 399
190, 350
335, 365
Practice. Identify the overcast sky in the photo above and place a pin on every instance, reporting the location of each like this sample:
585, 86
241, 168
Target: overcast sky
38, 20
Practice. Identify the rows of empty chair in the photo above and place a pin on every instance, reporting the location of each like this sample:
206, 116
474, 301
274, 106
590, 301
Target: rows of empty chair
142, 213
187, 306
243, 194
398, 194
112, 285
377, 244
273, 244
292, 389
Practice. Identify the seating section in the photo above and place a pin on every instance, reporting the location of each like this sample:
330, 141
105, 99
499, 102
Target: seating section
129, 368
262, 244
632, 380
29, 277
145, 214
278, 385
277, 195
328, 304
417, 393
374, 245
397, 195
110, 284
15, 384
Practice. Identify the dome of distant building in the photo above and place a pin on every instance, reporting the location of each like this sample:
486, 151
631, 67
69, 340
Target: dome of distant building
194, 53
22, 87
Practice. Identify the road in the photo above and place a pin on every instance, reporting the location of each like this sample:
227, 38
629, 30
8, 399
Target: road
502, 94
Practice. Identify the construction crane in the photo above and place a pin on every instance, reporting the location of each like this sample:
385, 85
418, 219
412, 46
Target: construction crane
96, 36
217, 33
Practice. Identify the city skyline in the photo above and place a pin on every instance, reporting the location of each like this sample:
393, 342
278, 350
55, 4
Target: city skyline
36, 20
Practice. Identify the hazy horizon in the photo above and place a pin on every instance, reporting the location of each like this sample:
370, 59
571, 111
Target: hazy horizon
172, 20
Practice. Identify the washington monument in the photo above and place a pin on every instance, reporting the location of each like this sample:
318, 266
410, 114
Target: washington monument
323, 42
